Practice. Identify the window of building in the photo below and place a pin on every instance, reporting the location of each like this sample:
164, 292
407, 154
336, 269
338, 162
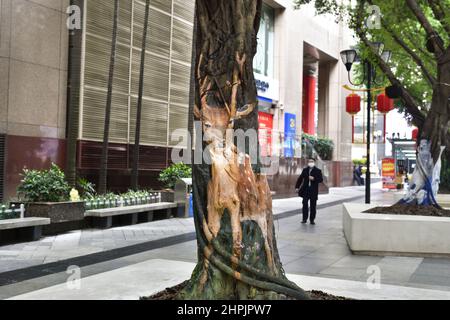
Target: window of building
263, 62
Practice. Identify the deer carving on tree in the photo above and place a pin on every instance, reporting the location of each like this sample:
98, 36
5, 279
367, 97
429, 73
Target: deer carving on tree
233, 186
238, 257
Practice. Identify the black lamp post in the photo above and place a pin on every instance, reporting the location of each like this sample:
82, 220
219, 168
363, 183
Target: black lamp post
349, 57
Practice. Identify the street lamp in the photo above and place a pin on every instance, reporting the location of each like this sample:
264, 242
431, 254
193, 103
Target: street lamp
349, 57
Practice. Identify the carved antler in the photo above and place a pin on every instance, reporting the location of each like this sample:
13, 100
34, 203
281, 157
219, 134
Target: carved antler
246, 110
238, 70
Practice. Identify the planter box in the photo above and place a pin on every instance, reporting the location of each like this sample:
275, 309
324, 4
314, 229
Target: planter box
167, 196
395, 234
64, 216
442, 199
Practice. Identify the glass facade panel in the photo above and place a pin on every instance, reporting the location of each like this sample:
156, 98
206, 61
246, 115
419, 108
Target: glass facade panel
264, 59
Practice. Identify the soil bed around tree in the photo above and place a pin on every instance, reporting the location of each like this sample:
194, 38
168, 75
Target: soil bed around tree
410, 210
171, 294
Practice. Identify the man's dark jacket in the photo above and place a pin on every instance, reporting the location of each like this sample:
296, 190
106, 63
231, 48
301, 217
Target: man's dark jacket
310, 192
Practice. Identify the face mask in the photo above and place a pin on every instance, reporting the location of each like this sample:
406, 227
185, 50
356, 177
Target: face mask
311, 164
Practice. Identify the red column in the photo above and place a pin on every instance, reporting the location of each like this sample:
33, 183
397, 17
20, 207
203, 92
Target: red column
309, 104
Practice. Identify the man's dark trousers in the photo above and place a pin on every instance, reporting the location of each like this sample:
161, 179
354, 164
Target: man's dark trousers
306, 202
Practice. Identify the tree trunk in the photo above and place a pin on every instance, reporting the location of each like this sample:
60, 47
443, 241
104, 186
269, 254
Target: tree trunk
137, 138
102, 186
238, 256
437, 123
433, 140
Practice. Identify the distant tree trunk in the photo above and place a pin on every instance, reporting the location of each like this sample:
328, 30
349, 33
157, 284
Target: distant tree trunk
433, 140
238, 255
137, 138
436, 124
102, 186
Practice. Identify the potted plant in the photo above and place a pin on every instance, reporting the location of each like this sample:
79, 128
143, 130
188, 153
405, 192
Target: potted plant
46, 193
169, 178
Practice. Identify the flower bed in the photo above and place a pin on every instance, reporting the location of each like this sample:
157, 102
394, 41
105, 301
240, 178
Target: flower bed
14, 212
125, 200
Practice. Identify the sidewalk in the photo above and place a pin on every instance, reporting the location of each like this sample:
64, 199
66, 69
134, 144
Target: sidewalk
152, 276
309, 252
91, 241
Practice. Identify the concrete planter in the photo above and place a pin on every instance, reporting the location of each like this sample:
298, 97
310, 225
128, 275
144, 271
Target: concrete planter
64, 216
384, 234
167, 196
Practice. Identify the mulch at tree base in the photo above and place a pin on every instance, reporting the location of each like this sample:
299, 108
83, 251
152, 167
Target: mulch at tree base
171, 294
410, 210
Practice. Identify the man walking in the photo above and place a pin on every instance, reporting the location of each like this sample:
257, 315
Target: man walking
308, 189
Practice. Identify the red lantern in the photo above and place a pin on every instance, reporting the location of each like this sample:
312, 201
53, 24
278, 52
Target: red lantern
384, 104
353, 105
415, 134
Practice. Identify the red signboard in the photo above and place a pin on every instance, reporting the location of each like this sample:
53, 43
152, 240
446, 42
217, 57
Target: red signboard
265, 133
388, 172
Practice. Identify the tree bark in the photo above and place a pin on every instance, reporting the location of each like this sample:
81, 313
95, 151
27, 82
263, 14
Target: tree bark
137, 138
238, 256
102, 185
436, 125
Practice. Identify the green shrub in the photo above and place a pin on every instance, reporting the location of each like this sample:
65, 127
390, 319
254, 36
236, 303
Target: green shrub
135, 194
358, 162
323, 146
86, 188
175, 172
44, 185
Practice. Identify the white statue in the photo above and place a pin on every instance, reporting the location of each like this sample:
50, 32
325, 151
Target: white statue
424, 186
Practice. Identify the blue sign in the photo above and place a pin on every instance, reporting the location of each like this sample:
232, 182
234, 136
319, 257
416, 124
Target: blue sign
290, 130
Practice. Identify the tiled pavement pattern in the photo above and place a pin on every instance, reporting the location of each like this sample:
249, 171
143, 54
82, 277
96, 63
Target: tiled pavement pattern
89, 241
319, 250
84, 242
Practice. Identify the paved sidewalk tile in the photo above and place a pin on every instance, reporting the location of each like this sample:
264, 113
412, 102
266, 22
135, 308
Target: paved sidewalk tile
319, 250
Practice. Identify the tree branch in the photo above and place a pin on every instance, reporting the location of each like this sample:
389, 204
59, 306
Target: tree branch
431, 79
423, 20
411, 105
439, 14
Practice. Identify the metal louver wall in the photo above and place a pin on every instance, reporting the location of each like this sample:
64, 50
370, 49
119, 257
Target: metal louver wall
167, 70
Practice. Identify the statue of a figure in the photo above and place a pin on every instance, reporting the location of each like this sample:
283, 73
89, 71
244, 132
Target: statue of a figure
424, 186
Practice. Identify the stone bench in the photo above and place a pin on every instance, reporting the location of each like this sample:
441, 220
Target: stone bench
25, 229
103, 218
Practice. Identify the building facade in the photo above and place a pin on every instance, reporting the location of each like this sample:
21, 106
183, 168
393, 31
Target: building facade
50, 71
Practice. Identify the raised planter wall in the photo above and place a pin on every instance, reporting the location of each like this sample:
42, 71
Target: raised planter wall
384, 234
64, 216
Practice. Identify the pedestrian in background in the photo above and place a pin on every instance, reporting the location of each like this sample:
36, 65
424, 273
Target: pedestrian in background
308, 189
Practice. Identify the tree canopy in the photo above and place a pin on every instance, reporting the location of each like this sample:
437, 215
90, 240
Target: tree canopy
418, 34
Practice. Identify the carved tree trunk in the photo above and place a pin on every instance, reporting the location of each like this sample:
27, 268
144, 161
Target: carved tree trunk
238, 256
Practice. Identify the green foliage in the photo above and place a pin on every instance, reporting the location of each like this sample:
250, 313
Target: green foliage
6, 214
358, 162
44, 185
175, 172
135, 194
86, 188
398, 22
323, 146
